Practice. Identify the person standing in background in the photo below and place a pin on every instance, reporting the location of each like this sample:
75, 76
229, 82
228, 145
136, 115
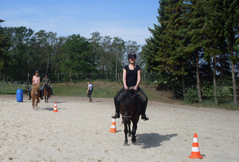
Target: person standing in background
89, 91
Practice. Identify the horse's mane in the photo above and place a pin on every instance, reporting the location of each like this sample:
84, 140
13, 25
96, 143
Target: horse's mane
128, 99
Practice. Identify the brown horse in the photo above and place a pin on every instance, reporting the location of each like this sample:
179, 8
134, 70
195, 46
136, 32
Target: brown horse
47, 92
35, 94
130, 106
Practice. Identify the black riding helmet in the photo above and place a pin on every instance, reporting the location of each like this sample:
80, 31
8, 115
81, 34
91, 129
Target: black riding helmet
36, 71
132, 55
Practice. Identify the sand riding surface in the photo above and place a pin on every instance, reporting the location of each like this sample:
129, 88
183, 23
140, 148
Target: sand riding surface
79, 131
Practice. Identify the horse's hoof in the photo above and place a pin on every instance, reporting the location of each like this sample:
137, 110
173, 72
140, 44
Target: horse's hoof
133, 140
126, 144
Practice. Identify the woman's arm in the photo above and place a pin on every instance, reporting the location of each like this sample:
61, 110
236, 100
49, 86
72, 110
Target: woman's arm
124, 79
138, 79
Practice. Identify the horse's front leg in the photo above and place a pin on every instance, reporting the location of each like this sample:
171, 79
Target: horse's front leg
33, 100
134, 132
129, 129
125, 133
36, 104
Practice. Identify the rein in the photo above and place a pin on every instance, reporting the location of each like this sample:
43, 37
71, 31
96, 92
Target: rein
126, 116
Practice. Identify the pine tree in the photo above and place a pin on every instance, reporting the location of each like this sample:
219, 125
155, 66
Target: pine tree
196, 33
231, 33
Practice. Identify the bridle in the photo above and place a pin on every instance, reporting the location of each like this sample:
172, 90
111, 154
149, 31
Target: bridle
127, 116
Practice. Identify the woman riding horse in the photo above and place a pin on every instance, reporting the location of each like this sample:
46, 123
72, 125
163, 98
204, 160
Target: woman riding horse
131, 78
35, 92
35, 81
46, 81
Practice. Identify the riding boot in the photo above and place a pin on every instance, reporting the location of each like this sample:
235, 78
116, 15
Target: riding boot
29, 95
143, 116
52, 91
117, 115
41, 94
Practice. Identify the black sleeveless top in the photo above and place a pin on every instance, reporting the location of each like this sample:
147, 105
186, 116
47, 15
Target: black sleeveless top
131, 75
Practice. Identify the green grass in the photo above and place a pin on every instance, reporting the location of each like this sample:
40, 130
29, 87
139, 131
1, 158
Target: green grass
103, 89
10, 89
107, 89
211, 104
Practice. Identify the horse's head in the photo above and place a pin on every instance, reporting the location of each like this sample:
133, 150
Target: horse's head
129, 102
47, 90
35, 89
46, 86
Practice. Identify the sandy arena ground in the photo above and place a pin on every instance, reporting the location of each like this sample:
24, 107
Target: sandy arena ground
79, 131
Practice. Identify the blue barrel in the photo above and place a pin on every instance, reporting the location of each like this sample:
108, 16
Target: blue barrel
19, 95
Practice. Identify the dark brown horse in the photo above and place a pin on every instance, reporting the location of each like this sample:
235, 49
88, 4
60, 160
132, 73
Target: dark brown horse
130, 106
47, 92
35, 94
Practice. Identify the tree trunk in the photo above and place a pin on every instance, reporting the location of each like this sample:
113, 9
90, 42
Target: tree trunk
214, 80
173, 89
221, 71
183, 83
116, 66
234, 84
198, 79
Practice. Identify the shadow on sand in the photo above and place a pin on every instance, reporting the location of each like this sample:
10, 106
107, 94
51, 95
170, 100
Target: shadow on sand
148, 140
50, 109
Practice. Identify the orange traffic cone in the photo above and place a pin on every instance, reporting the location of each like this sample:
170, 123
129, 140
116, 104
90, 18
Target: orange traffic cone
113, 126
55, 108
195, 153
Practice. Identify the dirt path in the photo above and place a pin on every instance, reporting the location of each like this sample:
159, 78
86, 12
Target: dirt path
79, 131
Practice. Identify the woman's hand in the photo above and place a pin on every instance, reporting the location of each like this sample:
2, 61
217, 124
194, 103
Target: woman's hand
126, 87
135, 88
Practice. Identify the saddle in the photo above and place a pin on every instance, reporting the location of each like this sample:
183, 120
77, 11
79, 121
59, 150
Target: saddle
143, 98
